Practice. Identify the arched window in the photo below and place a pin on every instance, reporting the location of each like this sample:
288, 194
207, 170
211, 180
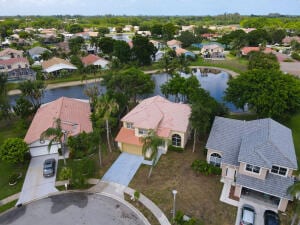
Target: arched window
215, 159
176, 140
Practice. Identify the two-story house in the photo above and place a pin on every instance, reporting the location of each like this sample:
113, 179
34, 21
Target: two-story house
9, 53
257, 158
169, 120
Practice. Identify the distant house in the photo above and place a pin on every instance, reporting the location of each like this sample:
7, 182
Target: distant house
63, 47
174, 44
55, 65
95, 60
186, 53
17, 69
36, 52
257, 159
75, 118
144, 33
248, 30
210, 36
287, 40
158, 55
10, 53
128, 28
246, 50
157, 44
169, 120
87, 35
189, 28
212, 50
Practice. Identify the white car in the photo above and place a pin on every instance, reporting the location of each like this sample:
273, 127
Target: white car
248, 215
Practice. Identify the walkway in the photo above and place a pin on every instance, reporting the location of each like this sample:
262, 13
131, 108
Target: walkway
123, 169
35, 185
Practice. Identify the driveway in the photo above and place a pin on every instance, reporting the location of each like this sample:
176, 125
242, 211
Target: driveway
75, 208
123, 169
36, 185
259, 210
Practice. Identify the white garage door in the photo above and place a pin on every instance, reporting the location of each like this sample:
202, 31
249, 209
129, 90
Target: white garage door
38, 149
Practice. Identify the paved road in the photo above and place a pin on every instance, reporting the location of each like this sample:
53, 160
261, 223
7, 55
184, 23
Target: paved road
35, 185
75, 209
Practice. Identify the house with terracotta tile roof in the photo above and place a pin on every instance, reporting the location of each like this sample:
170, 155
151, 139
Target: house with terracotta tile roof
287, 40
186, 53
95, 60
169, 120
54, 65
9, 53
174, 44
75, 118
246, 50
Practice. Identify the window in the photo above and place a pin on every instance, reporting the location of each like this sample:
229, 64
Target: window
215, 159
8, 66
253, 169
143, 132
279, 170
176, 140
129, 125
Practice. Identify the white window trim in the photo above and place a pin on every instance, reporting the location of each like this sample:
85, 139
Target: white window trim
287, 170
129, 126
245, 169
143, 133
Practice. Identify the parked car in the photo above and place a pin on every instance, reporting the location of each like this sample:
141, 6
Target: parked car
248, 215
271, 218
49, 167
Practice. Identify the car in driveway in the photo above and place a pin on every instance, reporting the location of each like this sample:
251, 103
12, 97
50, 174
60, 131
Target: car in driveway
248, 215
49, 167
271, 218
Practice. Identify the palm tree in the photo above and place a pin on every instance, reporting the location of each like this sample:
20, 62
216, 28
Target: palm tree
56, 134
294, 190
151, 142
104, 108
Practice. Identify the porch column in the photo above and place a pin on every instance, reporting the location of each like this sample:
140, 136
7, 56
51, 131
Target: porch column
283, 204
238, 191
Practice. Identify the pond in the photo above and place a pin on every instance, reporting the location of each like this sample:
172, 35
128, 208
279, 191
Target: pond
215, 82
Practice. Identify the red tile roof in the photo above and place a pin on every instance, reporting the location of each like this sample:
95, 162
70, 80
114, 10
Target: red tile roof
73, 113
90, 59
13, 61
247, 50
127, 136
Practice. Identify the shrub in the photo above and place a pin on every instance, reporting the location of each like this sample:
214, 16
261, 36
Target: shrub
295, 56
202, 167
65, 173
136, 195
12, 179
175, 149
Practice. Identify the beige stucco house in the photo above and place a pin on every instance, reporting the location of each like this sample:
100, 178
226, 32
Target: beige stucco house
257, 159
169, 120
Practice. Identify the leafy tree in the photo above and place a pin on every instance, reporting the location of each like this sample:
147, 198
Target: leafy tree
105, 107
106, 44
238, 36
4, 100
34, 90
75, 45
46, 55
269, 93
277, 35
75, 60
23, 108
75, 28
261, 60
119, 29
202, 30
13, 150
156, 30
102, 31
151, 142
294, 190
143, 50
169, 62
56, 134
122, 51
257, 37
187, 38
168, 31
65, 173
295, 45
131, 83
173, 87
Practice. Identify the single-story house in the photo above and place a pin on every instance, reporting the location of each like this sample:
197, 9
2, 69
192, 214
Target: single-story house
186, 53
75, 118
257, 159
169, 120
158, 55
287, 40
36, 52
246, 50
174, 44
55, 65
95, 60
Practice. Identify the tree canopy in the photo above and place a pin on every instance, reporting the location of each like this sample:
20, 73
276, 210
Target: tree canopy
106, 44
261, 60
143, 50
122, 51
13, 150
269, 93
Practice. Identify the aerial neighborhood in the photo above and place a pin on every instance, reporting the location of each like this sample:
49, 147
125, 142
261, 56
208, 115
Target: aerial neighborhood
158, 120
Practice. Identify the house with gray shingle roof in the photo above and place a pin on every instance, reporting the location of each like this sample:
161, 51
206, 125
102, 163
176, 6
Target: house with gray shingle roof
257, 157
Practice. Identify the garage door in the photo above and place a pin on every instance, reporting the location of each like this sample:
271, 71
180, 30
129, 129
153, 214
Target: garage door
38, 149
132, 149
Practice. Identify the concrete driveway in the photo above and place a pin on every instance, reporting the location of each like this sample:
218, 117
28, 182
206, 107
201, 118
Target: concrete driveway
259, 210
123, 169
75, 208
35, 184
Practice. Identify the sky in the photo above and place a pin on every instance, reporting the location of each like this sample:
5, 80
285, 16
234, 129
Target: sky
148, 7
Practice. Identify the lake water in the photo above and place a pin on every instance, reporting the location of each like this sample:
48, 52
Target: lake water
215, 82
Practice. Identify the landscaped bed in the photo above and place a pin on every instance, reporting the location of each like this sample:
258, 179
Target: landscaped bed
198, 195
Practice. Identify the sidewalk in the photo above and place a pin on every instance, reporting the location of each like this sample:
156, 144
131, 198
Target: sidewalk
10, 199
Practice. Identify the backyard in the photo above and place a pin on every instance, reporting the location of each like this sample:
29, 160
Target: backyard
198, 195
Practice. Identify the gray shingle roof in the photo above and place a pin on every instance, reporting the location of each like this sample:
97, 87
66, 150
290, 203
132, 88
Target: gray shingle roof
273, 184
37, 50
262, 142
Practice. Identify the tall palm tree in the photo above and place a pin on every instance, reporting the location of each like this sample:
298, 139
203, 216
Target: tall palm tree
104, 108
56, 134
294, 190
151, 142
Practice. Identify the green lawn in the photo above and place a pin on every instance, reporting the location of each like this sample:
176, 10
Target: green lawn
294, 124
7, 206
11, 128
